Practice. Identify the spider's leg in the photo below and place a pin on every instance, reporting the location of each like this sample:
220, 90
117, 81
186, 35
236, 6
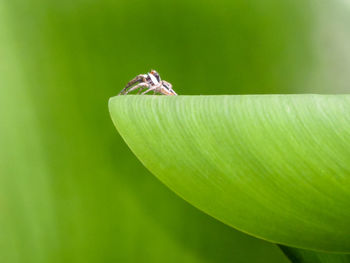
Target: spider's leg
138, 86
159, 89
143, 87
150, 89
140, 90
137, 79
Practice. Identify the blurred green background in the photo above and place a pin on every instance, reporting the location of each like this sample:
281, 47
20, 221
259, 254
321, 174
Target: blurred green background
70, 189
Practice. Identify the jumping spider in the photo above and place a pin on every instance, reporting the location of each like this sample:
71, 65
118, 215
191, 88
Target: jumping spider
150, 81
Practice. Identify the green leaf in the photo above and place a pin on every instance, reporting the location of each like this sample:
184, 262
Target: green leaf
297, 255
274, 166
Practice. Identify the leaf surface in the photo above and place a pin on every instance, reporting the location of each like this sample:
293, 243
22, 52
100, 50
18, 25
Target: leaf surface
274, 166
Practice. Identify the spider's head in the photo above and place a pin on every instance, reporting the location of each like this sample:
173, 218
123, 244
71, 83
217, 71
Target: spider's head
156, 74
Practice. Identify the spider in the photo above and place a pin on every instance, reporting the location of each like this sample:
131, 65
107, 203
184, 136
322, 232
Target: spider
150, 81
